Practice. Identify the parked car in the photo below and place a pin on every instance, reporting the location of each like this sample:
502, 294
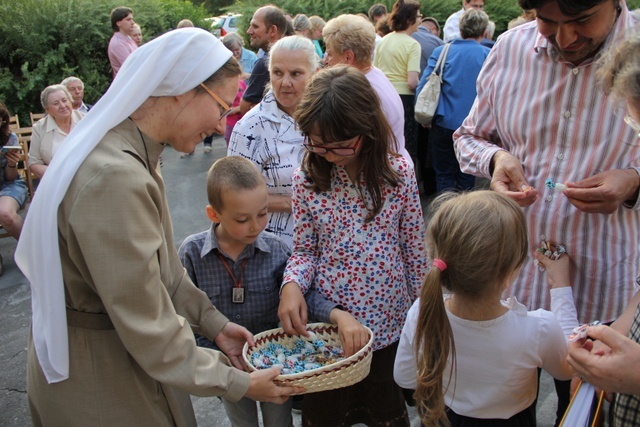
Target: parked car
225, 24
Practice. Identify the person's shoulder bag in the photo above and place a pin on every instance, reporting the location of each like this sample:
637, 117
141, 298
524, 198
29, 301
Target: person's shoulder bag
429, 96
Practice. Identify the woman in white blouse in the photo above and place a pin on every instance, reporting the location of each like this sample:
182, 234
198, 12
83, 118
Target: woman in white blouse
49, 132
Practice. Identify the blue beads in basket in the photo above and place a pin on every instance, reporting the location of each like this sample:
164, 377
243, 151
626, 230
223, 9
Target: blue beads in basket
304, 355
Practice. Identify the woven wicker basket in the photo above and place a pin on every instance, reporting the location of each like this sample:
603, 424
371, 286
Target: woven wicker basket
344, 373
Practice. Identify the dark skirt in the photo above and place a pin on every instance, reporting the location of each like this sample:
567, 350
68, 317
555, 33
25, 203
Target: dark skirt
525, 418
375, 401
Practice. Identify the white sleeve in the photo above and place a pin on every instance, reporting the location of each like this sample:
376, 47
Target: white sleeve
405, 371
564, 308
552, 347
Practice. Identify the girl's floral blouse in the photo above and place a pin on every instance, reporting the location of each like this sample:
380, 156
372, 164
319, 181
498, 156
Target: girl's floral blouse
373, 270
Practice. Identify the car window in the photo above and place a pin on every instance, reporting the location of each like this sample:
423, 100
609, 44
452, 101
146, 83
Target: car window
232, 22
218, 24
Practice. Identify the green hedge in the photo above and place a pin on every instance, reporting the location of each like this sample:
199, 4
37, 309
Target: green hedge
44, 41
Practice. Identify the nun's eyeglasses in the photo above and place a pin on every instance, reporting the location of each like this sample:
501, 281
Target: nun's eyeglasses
224, 107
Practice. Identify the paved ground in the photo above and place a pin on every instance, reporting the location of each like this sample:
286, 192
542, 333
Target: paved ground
185, 183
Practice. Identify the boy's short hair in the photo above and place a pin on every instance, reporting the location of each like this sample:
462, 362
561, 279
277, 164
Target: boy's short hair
231, 173
118, 14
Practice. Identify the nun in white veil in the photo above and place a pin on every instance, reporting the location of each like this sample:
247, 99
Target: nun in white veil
113, 310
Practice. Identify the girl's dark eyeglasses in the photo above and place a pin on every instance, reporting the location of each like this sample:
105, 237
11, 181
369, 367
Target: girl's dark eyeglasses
338, 151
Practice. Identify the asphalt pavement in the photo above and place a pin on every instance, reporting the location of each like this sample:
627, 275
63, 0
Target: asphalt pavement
185, 180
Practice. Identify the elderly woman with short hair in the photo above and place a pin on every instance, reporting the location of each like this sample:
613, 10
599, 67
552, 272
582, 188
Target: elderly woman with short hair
461, 69
268, 135
49, 132
246, 58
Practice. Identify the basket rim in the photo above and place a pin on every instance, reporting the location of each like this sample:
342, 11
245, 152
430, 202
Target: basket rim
336, 366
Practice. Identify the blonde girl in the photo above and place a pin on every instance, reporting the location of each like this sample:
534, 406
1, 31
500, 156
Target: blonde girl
472, 357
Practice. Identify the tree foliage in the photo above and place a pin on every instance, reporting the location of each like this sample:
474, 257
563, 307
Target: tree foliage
44, 41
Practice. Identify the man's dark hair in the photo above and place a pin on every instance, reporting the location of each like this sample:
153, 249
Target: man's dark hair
275, 16
377, 10
117, 15
567, 7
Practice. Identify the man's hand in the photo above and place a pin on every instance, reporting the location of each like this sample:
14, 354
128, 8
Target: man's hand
292, 310
263, 389
508, 179
231, 340
604, 192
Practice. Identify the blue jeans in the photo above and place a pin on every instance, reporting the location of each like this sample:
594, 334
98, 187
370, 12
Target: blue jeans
448, 174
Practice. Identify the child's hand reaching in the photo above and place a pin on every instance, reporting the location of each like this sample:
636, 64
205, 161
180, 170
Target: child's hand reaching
558, 270
353, 335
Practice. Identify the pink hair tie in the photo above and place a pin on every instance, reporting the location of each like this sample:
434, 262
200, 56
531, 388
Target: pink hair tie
439, 264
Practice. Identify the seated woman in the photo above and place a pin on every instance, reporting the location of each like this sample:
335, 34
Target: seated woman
49, 132
268, 136
13, 189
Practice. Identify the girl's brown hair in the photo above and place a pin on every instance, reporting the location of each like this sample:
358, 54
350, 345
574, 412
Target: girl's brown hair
340, 104
482, 238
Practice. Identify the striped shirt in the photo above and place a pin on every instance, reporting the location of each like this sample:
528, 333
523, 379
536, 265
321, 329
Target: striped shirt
555, 118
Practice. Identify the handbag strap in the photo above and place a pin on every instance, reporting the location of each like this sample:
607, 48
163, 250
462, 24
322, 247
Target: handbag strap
439, 68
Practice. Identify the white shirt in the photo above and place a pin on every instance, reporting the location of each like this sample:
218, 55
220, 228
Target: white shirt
451, 29
47, 137
497, 360
391, 106
270, 138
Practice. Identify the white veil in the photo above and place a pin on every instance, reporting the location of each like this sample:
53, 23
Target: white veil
171, 64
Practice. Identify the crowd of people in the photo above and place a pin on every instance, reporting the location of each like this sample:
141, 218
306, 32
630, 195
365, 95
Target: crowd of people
316, 215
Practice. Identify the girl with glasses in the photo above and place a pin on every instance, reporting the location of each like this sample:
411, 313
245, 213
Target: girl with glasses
358, 241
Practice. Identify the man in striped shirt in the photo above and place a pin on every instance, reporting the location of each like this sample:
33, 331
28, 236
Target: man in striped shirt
539, 114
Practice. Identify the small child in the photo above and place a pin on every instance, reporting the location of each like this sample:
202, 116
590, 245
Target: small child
240, 267
473, 358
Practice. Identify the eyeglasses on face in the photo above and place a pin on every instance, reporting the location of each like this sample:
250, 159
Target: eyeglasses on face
224, 107
338, 151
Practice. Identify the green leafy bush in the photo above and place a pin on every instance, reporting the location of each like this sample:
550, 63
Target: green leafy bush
44, 41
